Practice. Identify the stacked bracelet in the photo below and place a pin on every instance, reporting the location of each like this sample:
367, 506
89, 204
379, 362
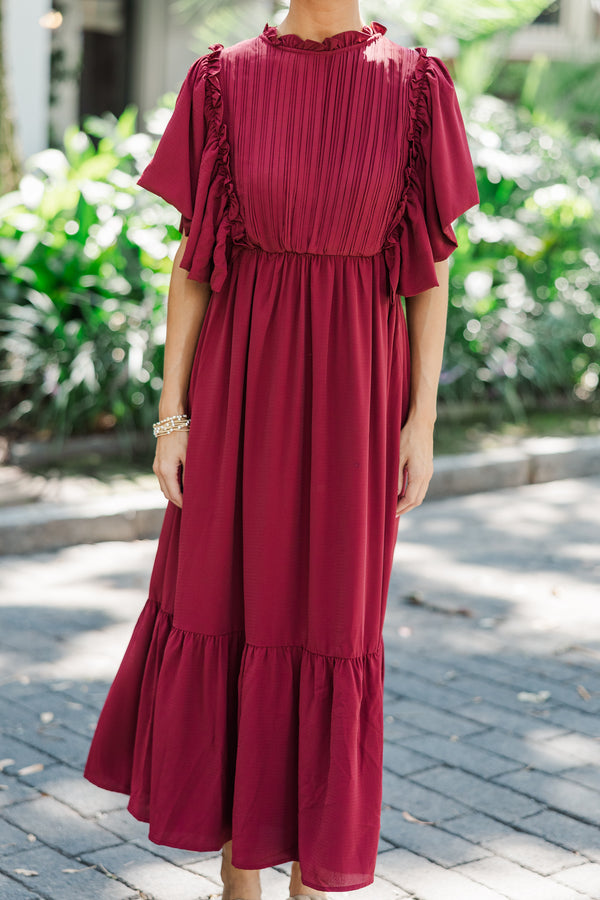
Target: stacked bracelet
171, 423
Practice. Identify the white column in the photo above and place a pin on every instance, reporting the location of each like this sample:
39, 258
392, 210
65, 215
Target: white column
68, 41
151, 35
27, 46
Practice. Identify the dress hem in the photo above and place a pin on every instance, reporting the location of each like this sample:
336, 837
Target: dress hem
191, 845
264, 863
183, 728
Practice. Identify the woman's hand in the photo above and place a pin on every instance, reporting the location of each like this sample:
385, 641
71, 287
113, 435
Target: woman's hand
426, 324
170, 457
416, 454
186, 308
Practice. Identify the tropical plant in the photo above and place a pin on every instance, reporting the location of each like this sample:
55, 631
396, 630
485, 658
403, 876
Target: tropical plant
567, 90
525, 317
86, 259
83, 279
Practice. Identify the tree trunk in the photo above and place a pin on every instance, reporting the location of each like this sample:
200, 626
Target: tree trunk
9, 162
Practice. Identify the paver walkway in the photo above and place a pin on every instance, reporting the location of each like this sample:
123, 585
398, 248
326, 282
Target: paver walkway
492, 648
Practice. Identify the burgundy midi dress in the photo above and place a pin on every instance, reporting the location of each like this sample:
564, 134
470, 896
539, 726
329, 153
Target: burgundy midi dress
317, 181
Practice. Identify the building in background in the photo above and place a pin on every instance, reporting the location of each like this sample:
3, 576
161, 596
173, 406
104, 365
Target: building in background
568, 29
27, 47
72, 58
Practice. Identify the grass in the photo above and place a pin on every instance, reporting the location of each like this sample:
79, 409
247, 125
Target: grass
106, 469
494, 427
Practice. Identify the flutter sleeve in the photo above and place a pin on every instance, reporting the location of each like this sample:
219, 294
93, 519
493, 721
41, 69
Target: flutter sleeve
441, 184
189, 170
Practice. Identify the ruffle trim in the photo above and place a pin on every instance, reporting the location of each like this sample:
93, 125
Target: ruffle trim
299, 734
338, 41
417, 101
217, 222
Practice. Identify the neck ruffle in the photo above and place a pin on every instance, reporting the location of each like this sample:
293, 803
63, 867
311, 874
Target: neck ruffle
333, 42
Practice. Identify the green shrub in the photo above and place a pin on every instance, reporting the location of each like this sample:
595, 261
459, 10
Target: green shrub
83, 281
524, 315
86, 258
561, 89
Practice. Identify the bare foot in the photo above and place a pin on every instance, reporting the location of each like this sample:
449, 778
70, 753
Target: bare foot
296, 886
238, 884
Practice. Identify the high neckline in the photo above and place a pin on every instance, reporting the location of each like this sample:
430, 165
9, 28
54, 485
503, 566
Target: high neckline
338, 41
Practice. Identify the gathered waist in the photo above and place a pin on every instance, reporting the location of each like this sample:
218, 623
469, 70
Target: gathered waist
257, 249
301, 254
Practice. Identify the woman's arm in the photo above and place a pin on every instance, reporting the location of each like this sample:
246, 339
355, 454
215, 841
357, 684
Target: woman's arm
426, 315
186, 308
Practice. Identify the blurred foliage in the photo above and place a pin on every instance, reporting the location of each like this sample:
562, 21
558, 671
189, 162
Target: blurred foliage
84, 274
554, 89
475, 34
224, 21
468, 21
86, 258
524, 321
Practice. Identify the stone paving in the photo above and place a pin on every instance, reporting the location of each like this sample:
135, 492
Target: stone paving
492, 752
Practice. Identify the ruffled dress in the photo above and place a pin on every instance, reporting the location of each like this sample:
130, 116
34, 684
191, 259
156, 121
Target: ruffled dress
317, 182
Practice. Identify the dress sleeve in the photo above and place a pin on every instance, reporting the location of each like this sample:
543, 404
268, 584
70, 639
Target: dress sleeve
189, 170
441, 184
173, 171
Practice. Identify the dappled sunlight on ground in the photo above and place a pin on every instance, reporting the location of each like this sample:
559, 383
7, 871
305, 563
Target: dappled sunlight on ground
491, 788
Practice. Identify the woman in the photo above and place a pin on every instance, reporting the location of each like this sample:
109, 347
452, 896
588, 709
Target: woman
318, 168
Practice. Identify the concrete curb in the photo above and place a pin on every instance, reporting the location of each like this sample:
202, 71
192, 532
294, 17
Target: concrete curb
531, 461
35, 526
32, 527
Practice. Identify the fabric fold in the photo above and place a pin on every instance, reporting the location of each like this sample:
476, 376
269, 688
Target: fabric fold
317, 721
439, 180
249, 701
200, 186
209, 734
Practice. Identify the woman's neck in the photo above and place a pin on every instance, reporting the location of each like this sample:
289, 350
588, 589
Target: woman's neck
316, 20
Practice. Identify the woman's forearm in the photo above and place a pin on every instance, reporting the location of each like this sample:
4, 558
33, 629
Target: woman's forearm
186, 308
426, 316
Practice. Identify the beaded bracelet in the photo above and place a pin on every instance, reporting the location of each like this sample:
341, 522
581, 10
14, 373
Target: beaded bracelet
171, 423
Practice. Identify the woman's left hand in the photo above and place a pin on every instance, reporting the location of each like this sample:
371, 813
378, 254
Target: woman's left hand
416, 455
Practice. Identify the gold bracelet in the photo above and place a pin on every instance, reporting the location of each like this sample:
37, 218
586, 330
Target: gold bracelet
171, 423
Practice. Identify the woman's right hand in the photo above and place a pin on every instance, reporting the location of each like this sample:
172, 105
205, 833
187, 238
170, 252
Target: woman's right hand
169, 459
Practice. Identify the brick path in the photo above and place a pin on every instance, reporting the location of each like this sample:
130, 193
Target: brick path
491, 779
